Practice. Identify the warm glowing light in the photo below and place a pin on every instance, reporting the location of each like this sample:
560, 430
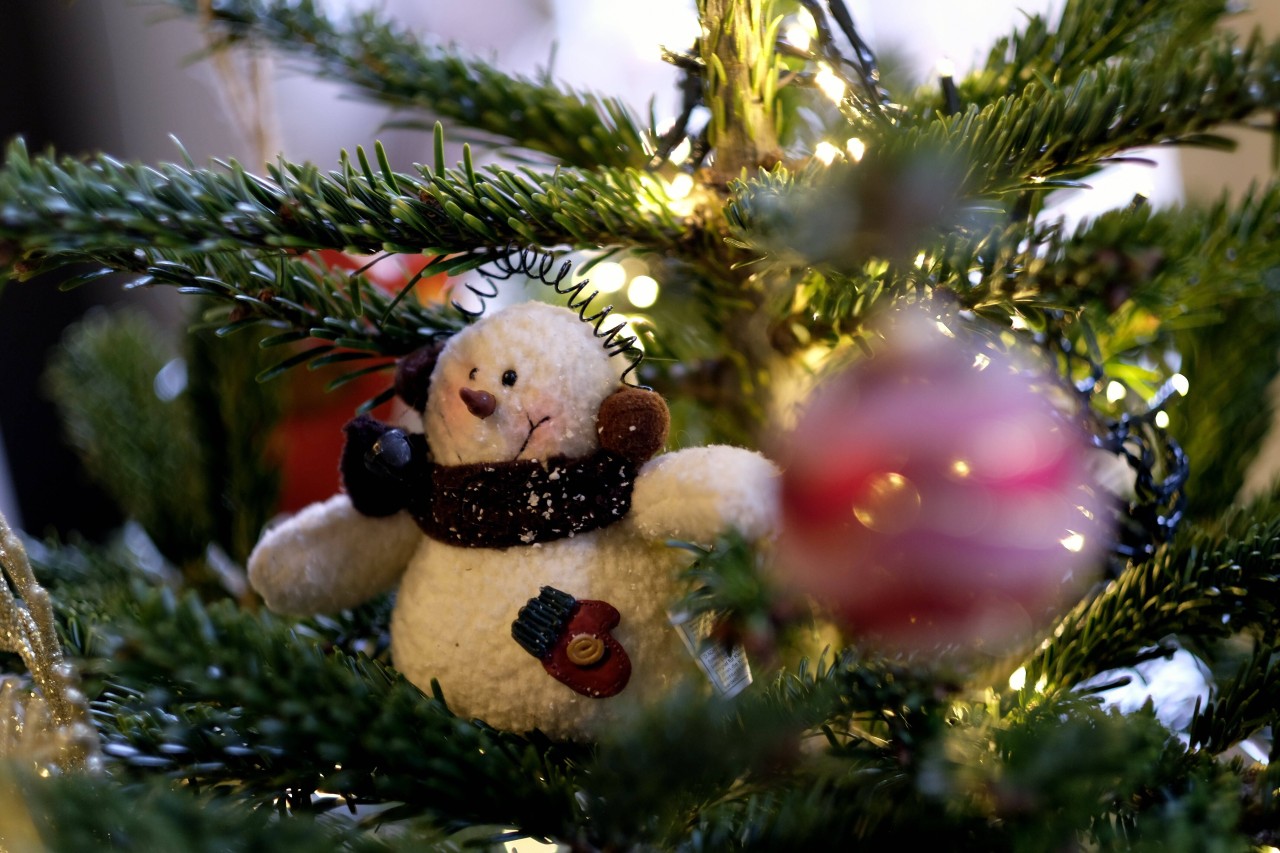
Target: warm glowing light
981, 361
622, 323
805, 21
961, 468
946, 68
889, 504
528, 845
942, 327
1162, 419
643, 291
826, 152
798, 35
1180, 383
856, 148
1074, 542
1017, 323
831, 85
1018, 680
681, 185
1116, 392
681, 152
672, 30
608, 277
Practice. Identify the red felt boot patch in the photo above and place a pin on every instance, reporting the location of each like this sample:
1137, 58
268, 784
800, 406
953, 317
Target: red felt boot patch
571, 638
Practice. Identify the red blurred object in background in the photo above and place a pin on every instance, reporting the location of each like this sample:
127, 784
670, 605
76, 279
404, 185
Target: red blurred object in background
309, 437
934, 494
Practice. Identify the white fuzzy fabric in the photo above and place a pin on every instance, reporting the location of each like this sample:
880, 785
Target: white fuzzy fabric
455, 606
698, 493
562, 375
329, 557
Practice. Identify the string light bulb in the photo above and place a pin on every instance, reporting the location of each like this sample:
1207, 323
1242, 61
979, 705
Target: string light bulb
608, 277
855, 148
681, 152
681, 185
830, 84
643, 291
826, 153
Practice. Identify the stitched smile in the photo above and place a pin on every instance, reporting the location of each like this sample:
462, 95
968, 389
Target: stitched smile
532, 427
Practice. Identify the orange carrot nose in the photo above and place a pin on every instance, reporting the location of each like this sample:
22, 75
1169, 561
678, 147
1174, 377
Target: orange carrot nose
479, 403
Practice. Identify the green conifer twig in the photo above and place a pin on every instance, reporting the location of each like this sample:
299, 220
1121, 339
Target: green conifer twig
54, 212
1200, 585
387, 62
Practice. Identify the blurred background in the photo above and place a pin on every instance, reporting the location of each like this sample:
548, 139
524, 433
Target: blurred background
120, 77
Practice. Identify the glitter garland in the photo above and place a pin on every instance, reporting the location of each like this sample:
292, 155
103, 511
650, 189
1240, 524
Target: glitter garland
43, 719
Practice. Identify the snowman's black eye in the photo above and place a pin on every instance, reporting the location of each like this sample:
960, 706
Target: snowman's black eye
472, 374
509, 378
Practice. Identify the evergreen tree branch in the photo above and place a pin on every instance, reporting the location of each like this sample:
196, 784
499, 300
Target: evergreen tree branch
387, 62
57, 212
252, 706
1243, 705
1086, 33
1052, 131
1183, 265
103, 379
1201, 586
1178, 262
322, 314
1045, 137
692, 757
69, 814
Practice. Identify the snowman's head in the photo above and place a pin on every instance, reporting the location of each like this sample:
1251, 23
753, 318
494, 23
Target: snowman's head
524, 383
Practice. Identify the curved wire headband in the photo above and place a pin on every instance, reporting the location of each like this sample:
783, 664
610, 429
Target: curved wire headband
542, 267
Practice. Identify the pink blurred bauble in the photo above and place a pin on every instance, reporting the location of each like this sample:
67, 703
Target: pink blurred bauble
934, 494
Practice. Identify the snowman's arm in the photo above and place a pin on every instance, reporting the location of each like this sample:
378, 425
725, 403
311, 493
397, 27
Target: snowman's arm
329, 557
701, 493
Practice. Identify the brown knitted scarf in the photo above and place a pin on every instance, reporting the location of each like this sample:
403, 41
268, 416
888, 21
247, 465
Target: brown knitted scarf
504, 504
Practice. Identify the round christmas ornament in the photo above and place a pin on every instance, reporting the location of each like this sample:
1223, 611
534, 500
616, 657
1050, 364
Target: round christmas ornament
934, 494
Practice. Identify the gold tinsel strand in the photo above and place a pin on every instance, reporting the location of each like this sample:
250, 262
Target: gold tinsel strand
43, 720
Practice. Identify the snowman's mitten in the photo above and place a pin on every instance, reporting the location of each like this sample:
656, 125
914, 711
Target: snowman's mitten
382, 467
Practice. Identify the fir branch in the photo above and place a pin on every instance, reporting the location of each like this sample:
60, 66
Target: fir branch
387, 62
70, 814
692, 758
1186, 266
1051, 131
57, 212
1200, 586
1071, 774
1222, 424
254, 707
1178, 263
1086, 33
293, 302
139, 447
1243, 705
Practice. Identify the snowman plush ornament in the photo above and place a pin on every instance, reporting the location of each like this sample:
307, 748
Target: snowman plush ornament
526, 526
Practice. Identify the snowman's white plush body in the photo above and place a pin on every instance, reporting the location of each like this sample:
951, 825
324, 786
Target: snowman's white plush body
455, 605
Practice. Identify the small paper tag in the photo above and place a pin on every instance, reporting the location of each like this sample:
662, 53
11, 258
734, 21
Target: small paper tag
726, 667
